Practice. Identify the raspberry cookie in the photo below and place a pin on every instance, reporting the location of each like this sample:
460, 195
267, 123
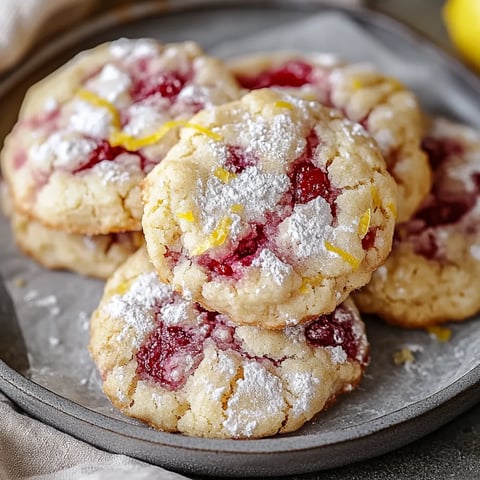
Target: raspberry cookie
89, 132
178, 367
381, 104
96, 256
433, 273
275, 215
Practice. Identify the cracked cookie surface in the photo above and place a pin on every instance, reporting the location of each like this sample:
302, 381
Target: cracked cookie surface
273, 213
432, 275
89, 132
167, 361
381, 104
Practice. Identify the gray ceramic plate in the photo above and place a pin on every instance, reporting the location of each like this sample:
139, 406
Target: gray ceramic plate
394, 404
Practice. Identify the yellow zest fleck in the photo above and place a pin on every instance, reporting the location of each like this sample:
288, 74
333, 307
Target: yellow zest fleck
405, 355
224, 175
357, 84
393, 208
188, 216
19, 282
375, 196
123, 287
364, 223
442, 334
216, 238
310, 281
237, 208
282, 104
98, 101
204, 130
132, 143
349, 258
395, 84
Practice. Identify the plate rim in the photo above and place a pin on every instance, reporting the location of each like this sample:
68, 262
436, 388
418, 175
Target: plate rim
15, 385
15, 381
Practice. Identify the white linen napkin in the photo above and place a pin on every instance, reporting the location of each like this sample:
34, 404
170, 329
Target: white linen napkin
23, 22
32, 450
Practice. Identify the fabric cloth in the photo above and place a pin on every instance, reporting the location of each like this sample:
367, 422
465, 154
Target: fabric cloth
30, 449
24, 21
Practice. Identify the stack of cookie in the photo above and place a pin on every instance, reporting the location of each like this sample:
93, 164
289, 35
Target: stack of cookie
261, 213
86, 137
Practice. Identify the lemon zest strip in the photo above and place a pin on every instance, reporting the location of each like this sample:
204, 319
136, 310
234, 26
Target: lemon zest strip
132, 143
349, 258
237, 208
375, 196
313, 281
393, 208
364, 223
98, 101
224, 175
282, 104
216, 238
187, 216
357, 84
442, 334
205, 131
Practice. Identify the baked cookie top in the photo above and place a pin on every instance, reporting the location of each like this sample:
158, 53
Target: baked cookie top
169, 362
384, 107
273, 213
432, 275
89, 132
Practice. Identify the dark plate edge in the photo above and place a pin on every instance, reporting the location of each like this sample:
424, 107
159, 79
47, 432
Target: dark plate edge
383, 435
462, 394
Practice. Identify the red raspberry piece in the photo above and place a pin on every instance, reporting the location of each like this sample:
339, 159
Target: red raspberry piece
334, 330
168, 85
294, 73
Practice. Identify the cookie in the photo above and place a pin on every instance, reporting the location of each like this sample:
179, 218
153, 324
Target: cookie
432, 275
96, 256
273, 214
167, 361
89, 132
381, 104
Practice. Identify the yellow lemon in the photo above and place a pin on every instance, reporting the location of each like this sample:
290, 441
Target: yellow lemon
462, 19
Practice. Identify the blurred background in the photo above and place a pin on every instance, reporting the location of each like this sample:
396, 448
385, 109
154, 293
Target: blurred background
452, 24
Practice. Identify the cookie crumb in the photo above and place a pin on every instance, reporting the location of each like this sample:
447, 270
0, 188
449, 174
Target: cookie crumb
405, 355
54, 341
441, 334
19, 282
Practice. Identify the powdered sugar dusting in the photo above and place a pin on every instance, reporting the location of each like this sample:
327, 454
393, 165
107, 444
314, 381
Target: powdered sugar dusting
111, 83
338, 354
475, 252
90, 120
302, 386
272, 266
120, 171
180, 311
296, 333
256, 191
135, 308
464, 170
273, 139
144, 119
133, 48
309, 226
61, 149
258, 395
